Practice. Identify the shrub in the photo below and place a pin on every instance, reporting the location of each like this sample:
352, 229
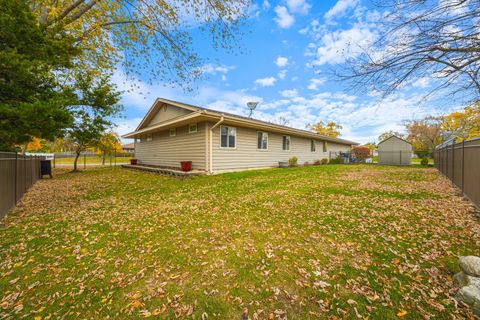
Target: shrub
317, 162
306, 163
324, 161
361, 153
335, 161
293, 161
424, 161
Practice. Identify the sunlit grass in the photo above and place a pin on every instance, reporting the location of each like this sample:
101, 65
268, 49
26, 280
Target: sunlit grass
309, 242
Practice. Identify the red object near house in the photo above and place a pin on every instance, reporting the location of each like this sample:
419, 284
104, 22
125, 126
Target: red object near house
133, 162
186, 165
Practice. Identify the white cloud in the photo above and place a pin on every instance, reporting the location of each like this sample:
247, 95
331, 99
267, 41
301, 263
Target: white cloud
266, 82
281, 61
337, 46
340, 8
289, 93
284, 19
422, 82
315, 84
214, 69
282, 74
298, 6
125, 126
266, 5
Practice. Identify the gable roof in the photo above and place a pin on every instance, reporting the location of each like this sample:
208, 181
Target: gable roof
394, 136
202, 113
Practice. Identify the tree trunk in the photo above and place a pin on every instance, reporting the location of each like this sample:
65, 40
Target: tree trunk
24, 148
77, 154
103, 157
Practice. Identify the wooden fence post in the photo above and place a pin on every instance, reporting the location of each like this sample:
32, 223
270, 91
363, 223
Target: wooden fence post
16, 178
24, 173
453, 164
32, 167
463, 163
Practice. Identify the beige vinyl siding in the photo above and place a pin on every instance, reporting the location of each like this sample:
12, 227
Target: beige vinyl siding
246, 155
168, 113
394, 151
168, 151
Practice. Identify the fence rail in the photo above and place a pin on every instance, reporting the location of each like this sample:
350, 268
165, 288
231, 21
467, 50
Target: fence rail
17, 174
460, 162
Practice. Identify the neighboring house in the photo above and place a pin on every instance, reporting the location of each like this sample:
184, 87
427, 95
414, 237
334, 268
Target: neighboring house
394, 151
128, 148
217, 141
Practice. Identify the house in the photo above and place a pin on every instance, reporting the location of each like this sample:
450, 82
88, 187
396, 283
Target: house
394, 151
128, 148
217, 141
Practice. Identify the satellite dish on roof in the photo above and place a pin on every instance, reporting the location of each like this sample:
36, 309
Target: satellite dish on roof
252, 106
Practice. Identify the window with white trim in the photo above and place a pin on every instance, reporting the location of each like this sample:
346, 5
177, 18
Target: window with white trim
192, 128
262, 140
173, 132
312, 145
228, 137
286, 143
324, 146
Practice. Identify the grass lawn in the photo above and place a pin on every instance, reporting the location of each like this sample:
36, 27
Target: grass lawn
414, 160
329, 242
91, 160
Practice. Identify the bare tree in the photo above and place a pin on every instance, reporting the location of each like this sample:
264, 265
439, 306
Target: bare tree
437, 42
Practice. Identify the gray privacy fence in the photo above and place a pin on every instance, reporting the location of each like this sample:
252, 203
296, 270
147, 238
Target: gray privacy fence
460, 162
17, 174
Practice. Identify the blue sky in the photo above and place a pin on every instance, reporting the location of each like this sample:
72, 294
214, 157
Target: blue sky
291, 46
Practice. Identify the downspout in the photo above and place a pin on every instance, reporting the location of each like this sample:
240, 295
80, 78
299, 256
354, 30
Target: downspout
210, 140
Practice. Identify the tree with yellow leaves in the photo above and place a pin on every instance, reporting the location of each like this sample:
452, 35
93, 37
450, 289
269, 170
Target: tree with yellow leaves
463, 125
34, 145
108, 143
148, 37
330, 129
424, 135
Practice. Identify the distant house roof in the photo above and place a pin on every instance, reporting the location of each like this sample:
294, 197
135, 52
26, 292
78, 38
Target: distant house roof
129, 146
394, 136
202, 113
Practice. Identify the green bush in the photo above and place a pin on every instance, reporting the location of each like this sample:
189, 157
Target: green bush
335, 161
424, 161
324, 161
293, 161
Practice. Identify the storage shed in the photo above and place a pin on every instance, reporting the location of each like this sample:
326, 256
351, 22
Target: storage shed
395, 151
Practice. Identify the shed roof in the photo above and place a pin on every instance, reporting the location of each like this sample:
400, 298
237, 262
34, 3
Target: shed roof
394, 136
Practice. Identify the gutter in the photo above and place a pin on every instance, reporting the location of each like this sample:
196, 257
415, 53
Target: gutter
210, 141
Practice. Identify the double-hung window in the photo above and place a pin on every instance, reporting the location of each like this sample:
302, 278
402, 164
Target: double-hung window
324, 146
286, 143
192, 128
228, 137
312, 145
262, 140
